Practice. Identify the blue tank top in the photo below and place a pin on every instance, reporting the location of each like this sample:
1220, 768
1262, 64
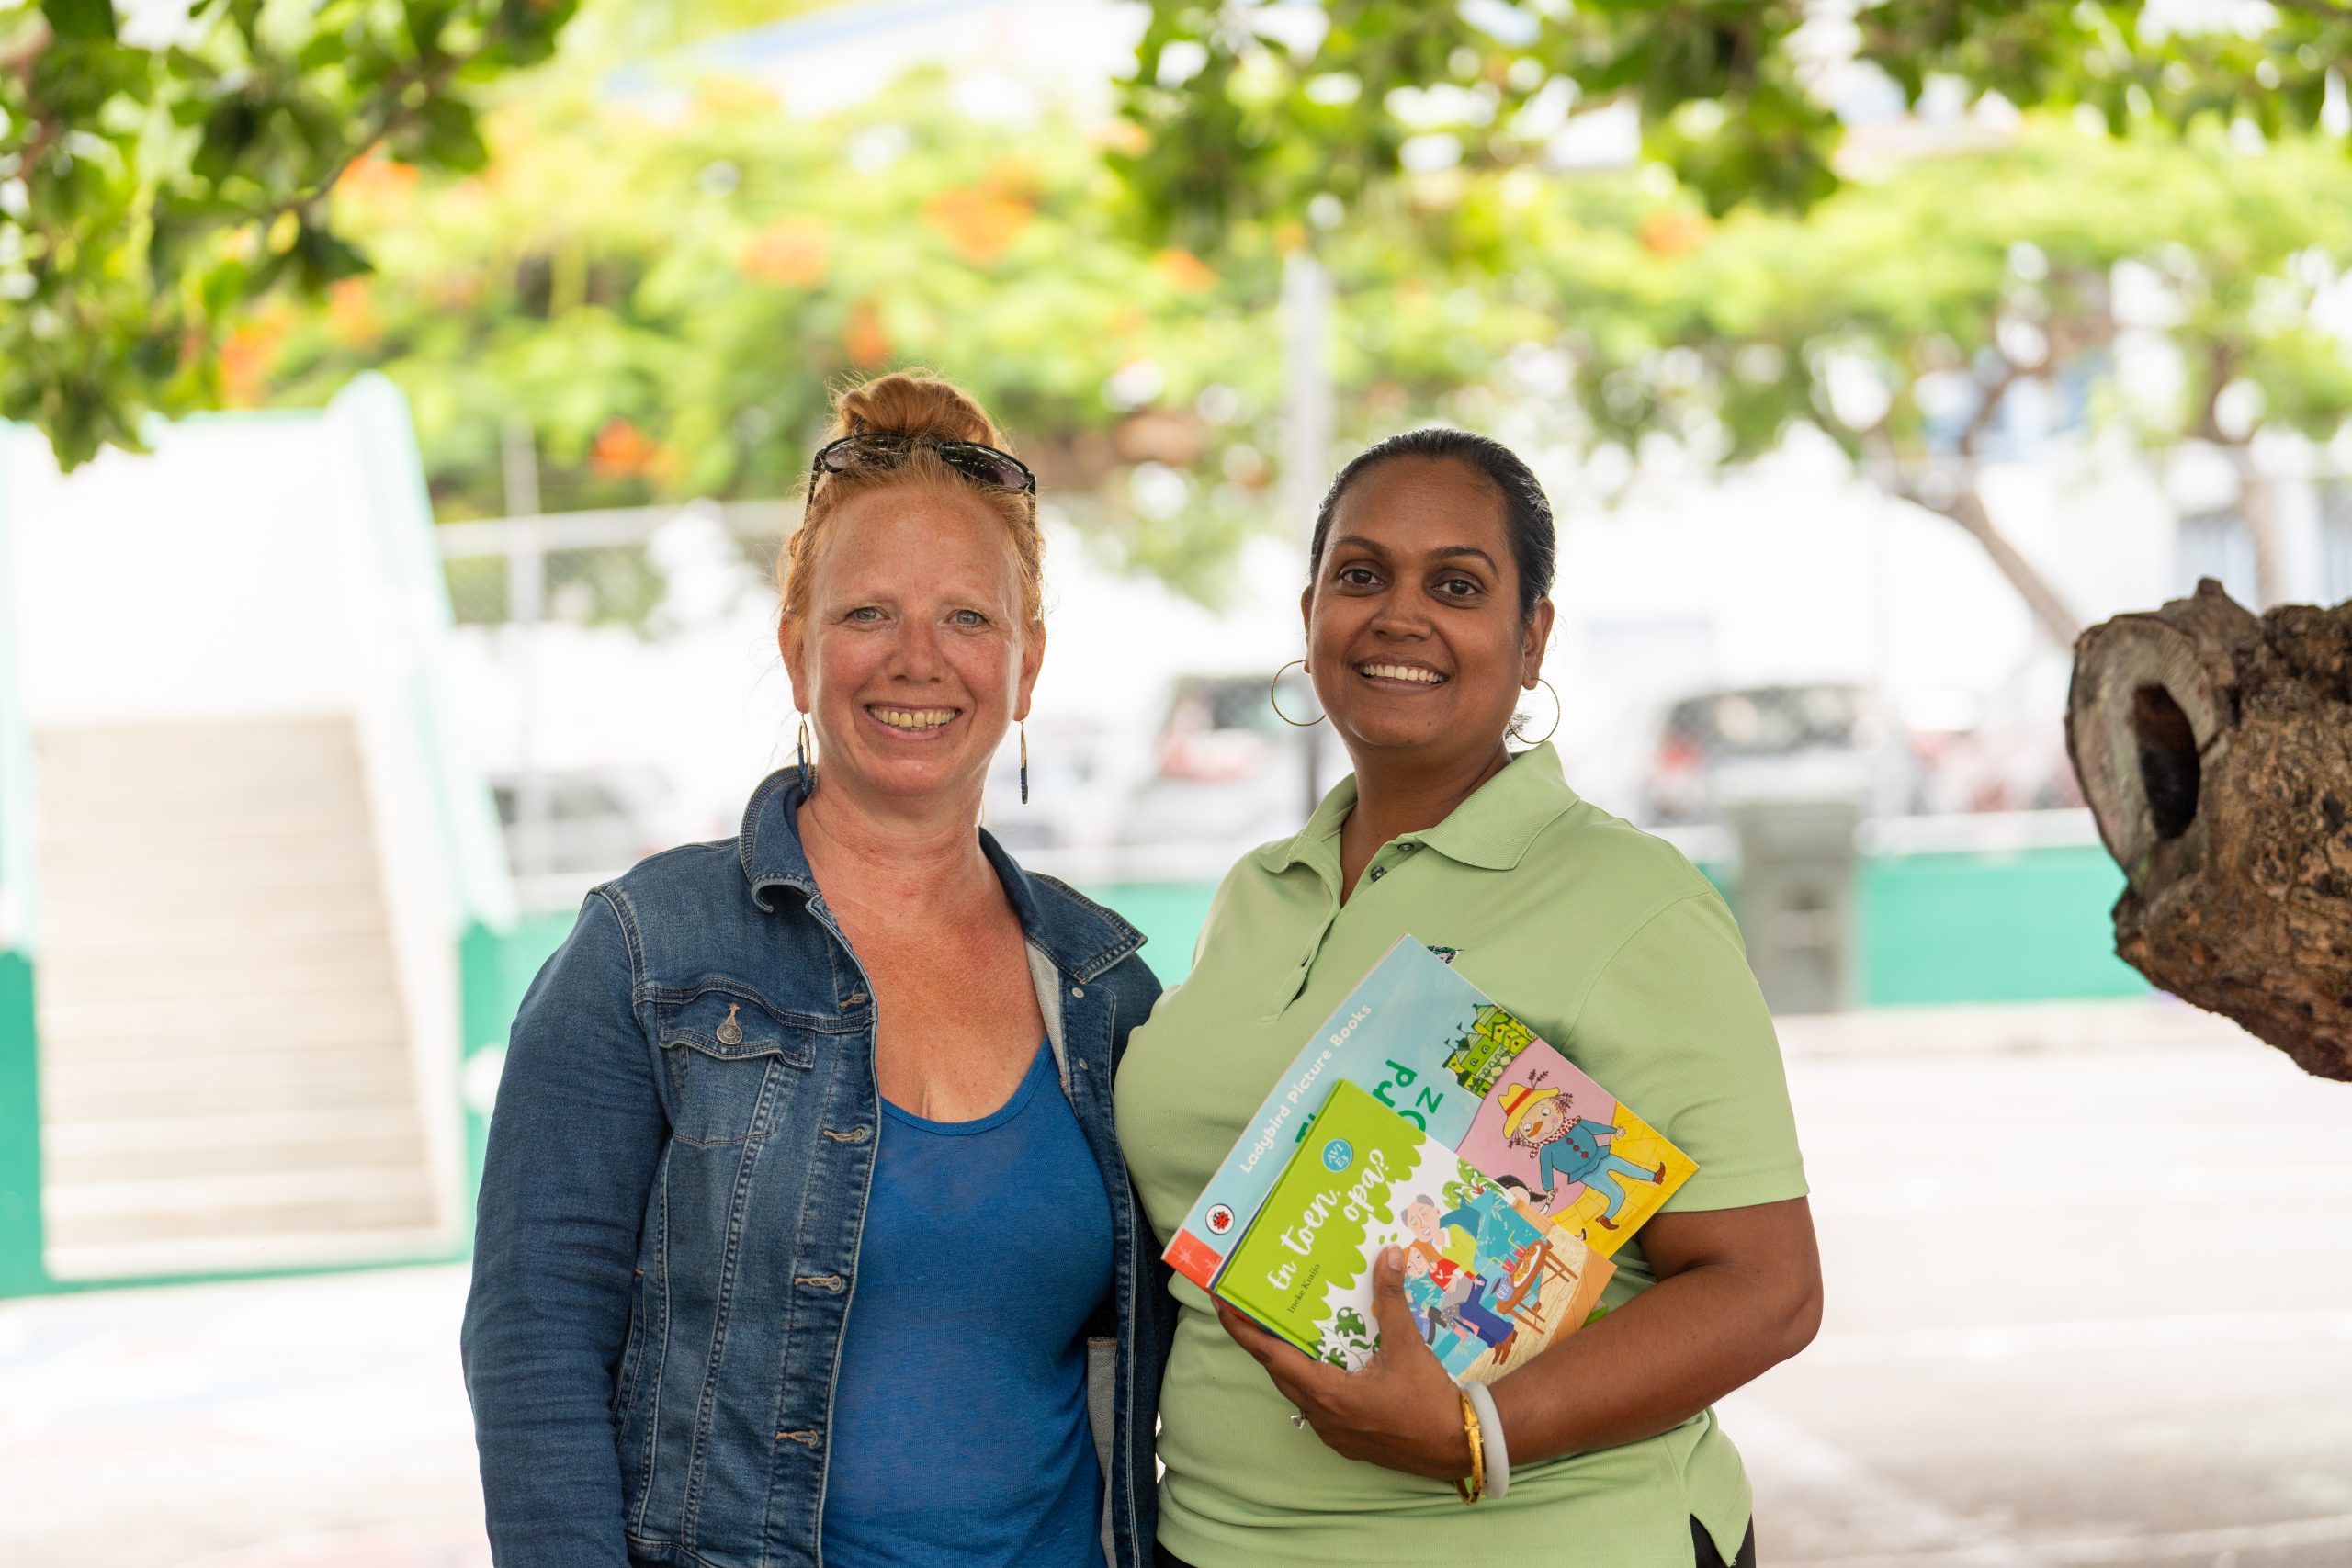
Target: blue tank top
960, 1431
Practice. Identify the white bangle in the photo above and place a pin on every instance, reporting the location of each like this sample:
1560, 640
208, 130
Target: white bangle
1490, 1436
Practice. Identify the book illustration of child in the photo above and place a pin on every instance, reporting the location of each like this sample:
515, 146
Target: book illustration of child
1567, 1148
1458, 1304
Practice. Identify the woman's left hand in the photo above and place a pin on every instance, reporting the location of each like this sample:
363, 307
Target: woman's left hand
1401, 1410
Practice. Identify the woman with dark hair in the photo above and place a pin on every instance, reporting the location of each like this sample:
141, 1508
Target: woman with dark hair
803, 1234
1425, 617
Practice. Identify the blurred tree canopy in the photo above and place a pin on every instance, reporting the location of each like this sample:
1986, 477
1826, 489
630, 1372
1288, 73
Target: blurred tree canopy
1273, 111
663, 289
156, 183
659, 281
151, 186
2169, 287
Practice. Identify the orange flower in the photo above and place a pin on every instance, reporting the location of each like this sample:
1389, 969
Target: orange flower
867, 342
1121, 136
351, 313
622, 449
246, 356
792, 251
1184, 269
1673, 234
980, 222
372, 177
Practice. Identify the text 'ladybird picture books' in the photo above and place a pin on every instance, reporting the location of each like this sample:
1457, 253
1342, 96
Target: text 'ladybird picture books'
1440, 1052
1488, 1287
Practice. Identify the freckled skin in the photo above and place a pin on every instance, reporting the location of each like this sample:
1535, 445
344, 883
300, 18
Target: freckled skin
915, 603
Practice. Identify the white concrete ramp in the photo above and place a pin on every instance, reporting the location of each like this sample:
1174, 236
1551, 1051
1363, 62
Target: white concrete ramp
255, 851
225, 1077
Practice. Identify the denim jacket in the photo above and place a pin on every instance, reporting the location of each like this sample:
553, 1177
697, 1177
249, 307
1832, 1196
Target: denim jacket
666, 1249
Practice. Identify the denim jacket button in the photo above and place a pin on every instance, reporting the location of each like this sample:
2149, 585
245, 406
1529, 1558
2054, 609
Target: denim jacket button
1077, 991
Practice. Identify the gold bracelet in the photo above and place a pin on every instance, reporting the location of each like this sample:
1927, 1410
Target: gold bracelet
1476, 1487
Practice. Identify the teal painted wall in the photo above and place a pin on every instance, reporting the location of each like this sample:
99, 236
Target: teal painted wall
2032, 926
21, 1272
1168, 913
497, 966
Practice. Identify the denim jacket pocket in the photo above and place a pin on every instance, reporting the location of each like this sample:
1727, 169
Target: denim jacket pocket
731, 1062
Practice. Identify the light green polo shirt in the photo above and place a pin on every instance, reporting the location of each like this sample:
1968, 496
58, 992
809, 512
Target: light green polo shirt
1611, 946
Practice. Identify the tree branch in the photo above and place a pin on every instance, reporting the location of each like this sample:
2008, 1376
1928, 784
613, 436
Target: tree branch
1981, 420
1965, 505
2220, 366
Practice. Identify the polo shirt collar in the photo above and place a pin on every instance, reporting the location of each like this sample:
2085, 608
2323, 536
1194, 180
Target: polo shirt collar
1492, 830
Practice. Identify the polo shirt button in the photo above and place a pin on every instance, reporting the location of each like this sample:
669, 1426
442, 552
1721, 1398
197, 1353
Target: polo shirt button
1378, 872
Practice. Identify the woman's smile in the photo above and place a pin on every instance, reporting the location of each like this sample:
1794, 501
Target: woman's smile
912, 723
1404, 675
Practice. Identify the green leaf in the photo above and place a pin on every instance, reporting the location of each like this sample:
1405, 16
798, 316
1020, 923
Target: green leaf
452, 136
80, 21
328, 49
228, 132
323, 257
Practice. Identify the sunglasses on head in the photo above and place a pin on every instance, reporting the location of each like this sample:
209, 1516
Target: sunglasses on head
984, 466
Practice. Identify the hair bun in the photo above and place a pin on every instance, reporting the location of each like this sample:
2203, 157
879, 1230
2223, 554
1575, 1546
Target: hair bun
913, 403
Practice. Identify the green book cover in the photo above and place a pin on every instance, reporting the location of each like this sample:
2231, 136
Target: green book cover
1487, 1285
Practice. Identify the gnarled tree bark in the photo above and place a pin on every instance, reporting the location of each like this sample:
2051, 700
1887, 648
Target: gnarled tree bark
2215, 749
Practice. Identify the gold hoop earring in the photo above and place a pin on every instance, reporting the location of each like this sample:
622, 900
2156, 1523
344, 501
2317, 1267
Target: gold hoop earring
1558, 711
1273, 700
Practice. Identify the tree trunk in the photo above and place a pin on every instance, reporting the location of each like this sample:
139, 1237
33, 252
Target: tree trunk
2050, 611
2258, 504
2215, 751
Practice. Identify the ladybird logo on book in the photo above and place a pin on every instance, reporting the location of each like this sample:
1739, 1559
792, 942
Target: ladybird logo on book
1416, 1036
1489, 1284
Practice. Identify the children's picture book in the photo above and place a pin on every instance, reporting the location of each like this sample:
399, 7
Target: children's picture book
1439, 1052
1488, 1287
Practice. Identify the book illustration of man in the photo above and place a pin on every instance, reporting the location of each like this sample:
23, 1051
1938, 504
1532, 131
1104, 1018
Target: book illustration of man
1458, 1306
1453, 1236
1568, 1147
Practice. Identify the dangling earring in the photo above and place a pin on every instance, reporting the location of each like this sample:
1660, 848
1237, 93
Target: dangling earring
801, 747
1513, 731
1024, 761
1273, 696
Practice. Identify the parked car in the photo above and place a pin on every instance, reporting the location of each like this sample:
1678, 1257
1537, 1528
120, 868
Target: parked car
598, 822
1226, 769
2001, 751
1819, 741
